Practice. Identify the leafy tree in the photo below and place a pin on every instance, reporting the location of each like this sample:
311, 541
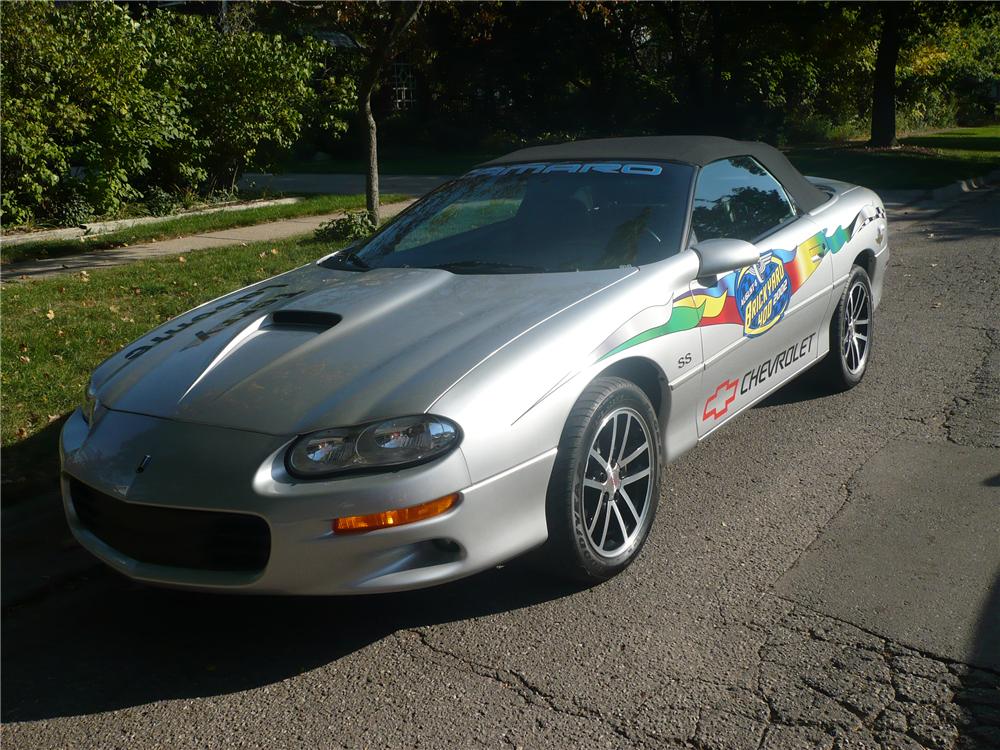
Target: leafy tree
378, 27
73, 96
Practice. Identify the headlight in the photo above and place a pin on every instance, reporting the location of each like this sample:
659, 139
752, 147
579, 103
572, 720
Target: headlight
89, 405
393, 443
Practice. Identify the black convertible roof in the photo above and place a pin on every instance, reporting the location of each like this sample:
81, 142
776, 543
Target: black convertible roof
692, 149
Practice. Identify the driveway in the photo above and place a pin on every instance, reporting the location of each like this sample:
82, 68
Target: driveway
823, 573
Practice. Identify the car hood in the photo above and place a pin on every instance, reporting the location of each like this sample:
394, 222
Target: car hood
318, 348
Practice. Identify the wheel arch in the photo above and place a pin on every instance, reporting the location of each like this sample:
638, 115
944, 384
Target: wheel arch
866, 259
650, 379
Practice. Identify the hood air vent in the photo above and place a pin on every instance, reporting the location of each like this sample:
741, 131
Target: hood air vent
312, 319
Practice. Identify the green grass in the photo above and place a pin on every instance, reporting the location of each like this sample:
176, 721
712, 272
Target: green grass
57, 330
187, 225
926, 161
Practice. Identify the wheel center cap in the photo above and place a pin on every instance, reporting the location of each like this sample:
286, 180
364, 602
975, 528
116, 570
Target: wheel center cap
615, 480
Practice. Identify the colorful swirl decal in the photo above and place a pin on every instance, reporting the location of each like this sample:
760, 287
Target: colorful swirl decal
755, 297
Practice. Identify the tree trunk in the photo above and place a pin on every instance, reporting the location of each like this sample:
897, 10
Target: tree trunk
378, 57
884, 89
371, 175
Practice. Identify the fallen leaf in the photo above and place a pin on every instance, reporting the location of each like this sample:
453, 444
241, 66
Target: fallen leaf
24, 347
50, 315
274, 251
113, 308
181, 259
24, 359
53, 418
21, 433
262, 254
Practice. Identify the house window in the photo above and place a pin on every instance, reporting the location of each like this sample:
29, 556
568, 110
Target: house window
402, 86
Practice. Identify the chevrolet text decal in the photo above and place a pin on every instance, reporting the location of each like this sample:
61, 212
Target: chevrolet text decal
772, 367
168, 334
725, 394
604, 167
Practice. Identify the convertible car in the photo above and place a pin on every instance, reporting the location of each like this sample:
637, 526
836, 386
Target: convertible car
509, 363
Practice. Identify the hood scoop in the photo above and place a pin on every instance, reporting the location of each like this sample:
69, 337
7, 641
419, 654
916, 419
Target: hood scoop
266, 341
313, 320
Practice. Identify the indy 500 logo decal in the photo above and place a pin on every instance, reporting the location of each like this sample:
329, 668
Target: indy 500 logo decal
763, 292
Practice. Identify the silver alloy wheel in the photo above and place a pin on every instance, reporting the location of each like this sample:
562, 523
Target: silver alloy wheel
617, 484
857, 328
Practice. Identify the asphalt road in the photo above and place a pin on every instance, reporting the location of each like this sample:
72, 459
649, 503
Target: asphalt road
823, 573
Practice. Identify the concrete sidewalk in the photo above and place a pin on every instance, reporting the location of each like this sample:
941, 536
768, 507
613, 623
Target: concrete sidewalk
274, 230
340, 184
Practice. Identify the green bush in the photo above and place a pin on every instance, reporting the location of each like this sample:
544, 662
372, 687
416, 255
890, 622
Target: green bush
355, 225
167, 101
71, 208
159, 202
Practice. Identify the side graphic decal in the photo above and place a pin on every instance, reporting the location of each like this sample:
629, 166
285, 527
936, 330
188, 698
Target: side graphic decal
755, 297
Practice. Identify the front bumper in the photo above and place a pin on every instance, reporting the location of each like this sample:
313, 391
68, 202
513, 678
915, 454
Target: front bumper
234, 473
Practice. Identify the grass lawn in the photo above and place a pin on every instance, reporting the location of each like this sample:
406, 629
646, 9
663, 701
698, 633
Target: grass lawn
926, 161
180, 227
56, 331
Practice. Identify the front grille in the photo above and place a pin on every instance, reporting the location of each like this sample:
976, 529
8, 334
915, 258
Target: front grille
199, 539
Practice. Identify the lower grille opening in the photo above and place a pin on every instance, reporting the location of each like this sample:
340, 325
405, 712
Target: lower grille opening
198, 539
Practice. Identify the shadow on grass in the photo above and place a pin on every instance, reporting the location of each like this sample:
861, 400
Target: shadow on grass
957, 142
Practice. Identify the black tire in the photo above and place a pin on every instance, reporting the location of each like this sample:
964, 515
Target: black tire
840, 370
570, 548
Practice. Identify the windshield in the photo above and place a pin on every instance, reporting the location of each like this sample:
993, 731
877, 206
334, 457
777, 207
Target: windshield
539, 217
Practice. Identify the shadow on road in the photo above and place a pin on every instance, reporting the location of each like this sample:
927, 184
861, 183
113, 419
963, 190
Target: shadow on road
124, 645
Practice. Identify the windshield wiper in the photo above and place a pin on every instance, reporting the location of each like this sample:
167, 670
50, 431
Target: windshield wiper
467, 266
348, 258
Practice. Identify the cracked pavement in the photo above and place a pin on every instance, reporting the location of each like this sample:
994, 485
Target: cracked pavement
796, 592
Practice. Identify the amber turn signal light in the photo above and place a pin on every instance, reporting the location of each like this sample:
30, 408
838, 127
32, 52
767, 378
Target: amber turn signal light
373, 521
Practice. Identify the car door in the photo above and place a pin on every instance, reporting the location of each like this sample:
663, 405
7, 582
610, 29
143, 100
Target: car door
759, 324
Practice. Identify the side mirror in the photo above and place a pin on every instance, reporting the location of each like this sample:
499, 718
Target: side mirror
724, 255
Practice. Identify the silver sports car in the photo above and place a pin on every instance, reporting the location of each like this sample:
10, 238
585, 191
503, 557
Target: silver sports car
509, 363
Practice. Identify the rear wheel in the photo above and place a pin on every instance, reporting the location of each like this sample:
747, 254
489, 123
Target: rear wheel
851, 334
604, 489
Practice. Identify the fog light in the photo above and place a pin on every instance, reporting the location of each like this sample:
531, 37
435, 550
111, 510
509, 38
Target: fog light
373, 521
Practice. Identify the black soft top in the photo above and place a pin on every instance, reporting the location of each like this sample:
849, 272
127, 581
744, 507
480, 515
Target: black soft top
692, 149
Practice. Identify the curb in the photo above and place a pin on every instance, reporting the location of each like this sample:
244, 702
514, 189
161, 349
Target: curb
969, 185
96, 229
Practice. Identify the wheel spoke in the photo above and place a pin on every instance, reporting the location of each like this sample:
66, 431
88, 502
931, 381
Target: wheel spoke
628, 424
860, 336
636, 477
607, 520
628, 502
857, 354
597, 515
614, 439
634, 454
621, 521
593, 484
600, 460
861, 322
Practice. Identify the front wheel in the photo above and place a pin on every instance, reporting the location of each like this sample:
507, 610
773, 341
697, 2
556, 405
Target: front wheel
604, 490
852, 332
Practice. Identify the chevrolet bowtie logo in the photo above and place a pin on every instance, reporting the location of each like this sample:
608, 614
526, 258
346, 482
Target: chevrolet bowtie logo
718, 403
